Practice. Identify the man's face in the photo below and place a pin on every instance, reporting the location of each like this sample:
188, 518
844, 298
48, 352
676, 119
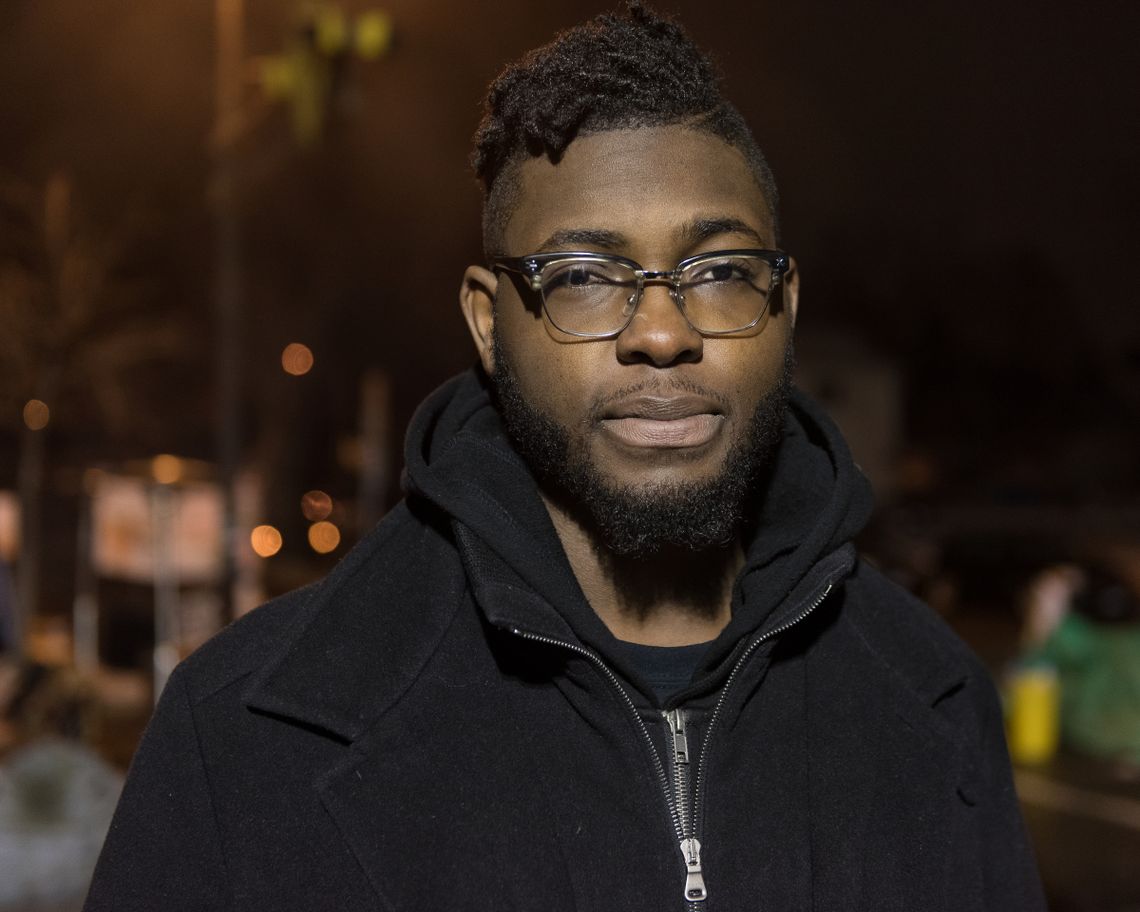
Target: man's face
658, 413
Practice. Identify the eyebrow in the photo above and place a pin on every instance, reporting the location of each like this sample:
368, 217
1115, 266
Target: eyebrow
702, 229
691, 233
570, 238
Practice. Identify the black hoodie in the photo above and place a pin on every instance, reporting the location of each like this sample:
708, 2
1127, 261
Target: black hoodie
444, 724
459, 459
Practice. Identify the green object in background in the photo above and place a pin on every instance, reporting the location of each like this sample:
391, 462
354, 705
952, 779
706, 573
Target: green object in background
1099, 669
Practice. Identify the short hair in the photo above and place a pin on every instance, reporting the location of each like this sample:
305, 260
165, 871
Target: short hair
613, 72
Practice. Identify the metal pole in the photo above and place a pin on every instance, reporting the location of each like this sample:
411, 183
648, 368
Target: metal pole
229, 289
166, 632
29, 483
85, 609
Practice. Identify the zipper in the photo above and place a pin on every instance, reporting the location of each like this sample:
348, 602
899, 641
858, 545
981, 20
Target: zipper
698, 792
658, 766
675, 718
682, 812
695, 890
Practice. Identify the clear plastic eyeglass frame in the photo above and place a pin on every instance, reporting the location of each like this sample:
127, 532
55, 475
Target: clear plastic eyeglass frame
532, 268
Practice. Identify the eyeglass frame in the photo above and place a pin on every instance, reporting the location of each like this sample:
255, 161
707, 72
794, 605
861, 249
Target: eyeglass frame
531, 267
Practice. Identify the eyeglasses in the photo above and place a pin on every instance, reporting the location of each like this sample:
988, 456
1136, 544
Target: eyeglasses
596, 294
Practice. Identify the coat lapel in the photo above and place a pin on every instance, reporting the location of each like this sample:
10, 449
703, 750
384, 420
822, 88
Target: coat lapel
368, 630
366, 635
439, 801
886, 774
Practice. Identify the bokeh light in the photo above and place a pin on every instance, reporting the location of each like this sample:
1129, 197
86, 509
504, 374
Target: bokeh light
166, 469
265, 540
316, 505
36, 414
297, 359
331, 30
373, 34
323, 537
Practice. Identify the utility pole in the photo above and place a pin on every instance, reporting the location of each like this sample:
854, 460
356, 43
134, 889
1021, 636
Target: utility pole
305, 76
229, 285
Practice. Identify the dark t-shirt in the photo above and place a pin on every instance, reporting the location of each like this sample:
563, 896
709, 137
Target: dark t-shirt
667, 669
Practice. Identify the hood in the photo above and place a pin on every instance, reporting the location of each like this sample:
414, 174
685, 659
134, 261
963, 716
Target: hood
459, 460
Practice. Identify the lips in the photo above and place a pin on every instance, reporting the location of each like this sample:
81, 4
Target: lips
663, 422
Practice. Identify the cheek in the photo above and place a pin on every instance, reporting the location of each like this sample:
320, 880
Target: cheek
560, 383
553, 376
750, 368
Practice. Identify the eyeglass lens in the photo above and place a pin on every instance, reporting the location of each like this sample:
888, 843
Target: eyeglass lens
721, 294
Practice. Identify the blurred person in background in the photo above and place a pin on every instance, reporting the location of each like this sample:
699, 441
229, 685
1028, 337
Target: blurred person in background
56, 794
615, 649
1085, 624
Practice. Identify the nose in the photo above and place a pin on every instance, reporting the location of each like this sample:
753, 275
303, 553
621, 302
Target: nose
659, 334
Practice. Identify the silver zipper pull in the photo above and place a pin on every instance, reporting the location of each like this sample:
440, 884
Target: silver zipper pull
676, 719
694, 881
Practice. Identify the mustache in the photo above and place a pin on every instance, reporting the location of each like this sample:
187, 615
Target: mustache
657, 386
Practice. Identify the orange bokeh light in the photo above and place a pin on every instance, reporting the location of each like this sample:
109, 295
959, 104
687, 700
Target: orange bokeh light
36, 414
323, 537
316, 505
166, 469
297, 359
265, 541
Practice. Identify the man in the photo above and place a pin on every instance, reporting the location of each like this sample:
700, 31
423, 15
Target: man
615, 649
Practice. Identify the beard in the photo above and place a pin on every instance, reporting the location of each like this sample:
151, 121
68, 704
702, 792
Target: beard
639, 521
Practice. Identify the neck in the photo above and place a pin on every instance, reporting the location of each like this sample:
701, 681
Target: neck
675, 597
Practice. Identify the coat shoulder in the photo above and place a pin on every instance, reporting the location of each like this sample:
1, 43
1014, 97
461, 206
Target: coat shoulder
244, 645
259, 638
947, 687
908, 635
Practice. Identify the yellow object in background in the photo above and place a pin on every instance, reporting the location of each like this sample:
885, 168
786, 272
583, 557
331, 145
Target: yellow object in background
330, 26
1033, 720
373, 34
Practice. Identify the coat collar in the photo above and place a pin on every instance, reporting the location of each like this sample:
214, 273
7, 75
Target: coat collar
367, 630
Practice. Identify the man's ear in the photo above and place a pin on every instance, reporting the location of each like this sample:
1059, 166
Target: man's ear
792, 289
477, 300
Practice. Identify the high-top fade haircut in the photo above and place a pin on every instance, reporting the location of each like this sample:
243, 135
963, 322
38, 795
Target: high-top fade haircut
617, 71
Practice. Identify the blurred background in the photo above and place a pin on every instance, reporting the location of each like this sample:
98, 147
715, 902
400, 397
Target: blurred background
231, 238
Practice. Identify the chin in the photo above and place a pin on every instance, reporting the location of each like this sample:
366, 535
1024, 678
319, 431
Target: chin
655, 478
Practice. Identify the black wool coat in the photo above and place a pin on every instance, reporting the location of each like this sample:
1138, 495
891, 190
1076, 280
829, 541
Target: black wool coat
441, 724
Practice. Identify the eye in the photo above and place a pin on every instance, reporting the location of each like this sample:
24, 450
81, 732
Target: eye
735, 270
579, 275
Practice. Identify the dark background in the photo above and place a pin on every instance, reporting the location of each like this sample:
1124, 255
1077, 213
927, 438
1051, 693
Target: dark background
958, 186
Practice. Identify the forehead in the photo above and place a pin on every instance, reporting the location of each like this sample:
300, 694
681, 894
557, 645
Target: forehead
646, 185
